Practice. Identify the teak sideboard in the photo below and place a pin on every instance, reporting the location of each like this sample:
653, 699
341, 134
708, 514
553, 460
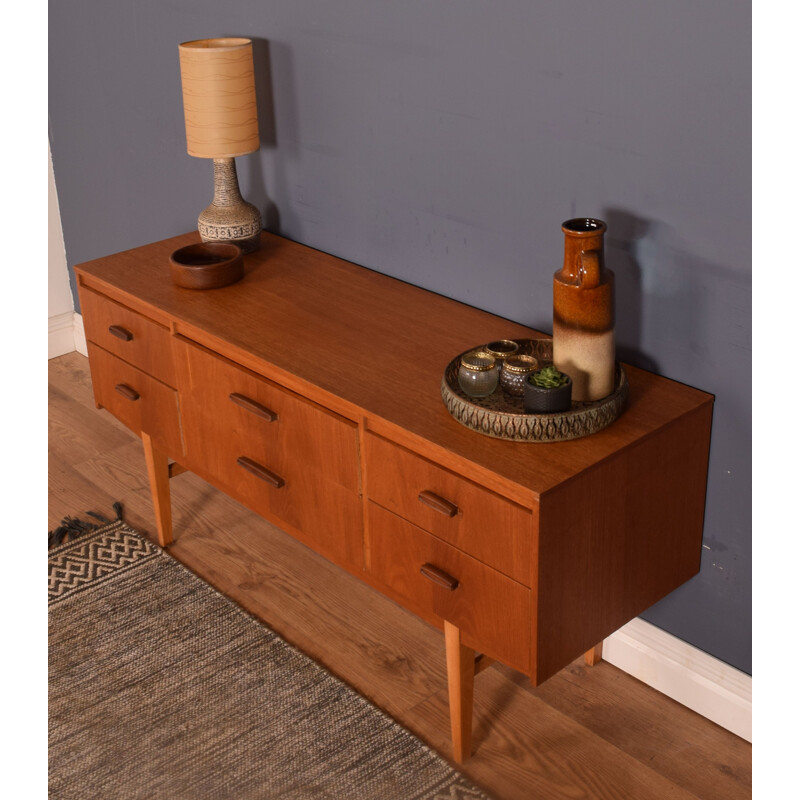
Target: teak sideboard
310, 392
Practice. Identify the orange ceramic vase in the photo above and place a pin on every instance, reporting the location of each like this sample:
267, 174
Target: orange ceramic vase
583, 312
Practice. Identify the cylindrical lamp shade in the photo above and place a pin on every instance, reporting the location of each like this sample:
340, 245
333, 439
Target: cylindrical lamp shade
219, 97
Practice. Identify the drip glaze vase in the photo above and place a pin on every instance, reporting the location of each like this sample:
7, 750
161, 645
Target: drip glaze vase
583, 312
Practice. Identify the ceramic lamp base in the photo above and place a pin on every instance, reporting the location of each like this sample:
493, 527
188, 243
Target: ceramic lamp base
230, 219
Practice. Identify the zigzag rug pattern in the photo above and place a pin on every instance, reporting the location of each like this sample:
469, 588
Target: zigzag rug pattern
78, 565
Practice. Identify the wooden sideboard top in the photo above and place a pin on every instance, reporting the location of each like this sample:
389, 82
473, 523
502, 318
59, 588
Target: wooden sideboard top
368, 345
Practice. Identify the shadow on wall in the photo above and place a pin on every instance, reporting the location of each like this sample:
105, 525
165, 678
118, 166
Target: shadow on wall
268, 133
692, 311
625, 234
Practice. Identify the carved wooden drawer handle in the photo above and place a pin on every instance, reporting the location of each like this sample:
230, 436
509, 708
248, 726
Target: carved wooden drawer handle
438, 503
120, 333
439, 577
261, 472
127, 391
252, 406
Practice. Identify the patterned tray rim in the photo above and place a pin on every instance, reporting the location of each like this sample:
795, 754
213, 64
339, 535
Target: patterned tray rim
583, 419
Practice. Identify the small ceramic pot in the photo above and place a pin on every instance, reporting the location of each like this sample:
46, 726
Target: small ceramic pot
500, 350
547, 400
515, 372
207, 266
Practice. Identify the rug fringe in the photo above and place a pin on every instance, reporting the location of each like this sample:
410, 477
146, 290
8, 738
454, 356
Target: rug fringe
72, 527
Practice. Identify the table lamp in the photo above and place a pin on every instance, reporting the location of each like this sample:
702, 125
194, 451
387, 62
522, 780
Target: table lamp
219, 105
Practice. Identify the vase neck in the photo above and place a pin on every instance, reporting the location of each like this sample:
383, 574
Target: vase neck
226, 183
581, 236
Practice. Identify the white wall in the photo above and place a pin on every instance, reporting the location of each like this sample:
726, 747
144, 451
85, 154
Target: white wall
63, 322
59, 297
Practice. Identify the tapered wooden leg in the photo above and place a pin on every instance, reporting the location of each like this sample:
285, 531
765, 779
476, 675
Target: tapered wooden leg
158, 473
594, 655
460, 683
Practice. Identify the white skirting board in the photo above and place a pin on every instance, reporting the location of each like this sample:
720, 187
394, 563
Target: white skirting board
693, 678
65, 334
689, 676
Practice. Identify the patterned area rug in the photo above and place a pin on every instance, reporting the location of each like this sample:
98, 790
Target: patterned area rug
160, 687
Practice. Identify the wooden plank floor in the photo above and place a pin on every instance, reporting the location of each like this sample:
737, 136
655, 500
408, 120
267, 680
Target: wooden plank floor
588, 732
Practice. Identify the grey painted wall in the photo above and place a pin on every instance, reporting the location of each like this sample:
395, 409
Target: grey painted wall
444, 142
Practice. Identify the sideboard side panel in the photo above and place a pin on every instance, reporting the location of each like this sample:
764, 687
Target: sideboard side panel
619, 538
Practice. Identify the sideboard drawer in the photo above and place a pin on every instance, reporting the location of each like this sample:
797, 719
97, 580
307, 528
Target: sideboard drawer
136, 399
282, 456
321, 513
492, 611
228, 411
127, 334
473, 519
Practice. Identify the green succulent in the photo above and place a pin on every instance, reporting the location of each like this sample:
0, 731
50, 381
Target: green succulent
548, 378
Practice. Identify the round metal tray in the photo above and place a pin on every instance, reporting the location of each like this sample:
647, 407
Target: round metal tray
503, 416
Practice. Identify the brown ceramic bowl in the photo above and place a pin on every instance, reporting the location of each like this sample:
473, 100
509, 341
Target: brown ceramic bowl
209, 265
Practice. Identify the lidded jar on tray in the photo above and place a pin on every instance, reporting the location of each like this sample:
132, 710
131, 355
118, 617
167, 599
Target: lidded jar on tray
515, 371
500, 349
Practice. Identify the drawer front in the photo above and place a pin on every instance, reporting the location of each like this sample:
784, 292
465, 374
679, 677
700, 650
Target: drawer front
136, 399
322, 514
127, 334
473, 519
229, 411
282, 456
492, 611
